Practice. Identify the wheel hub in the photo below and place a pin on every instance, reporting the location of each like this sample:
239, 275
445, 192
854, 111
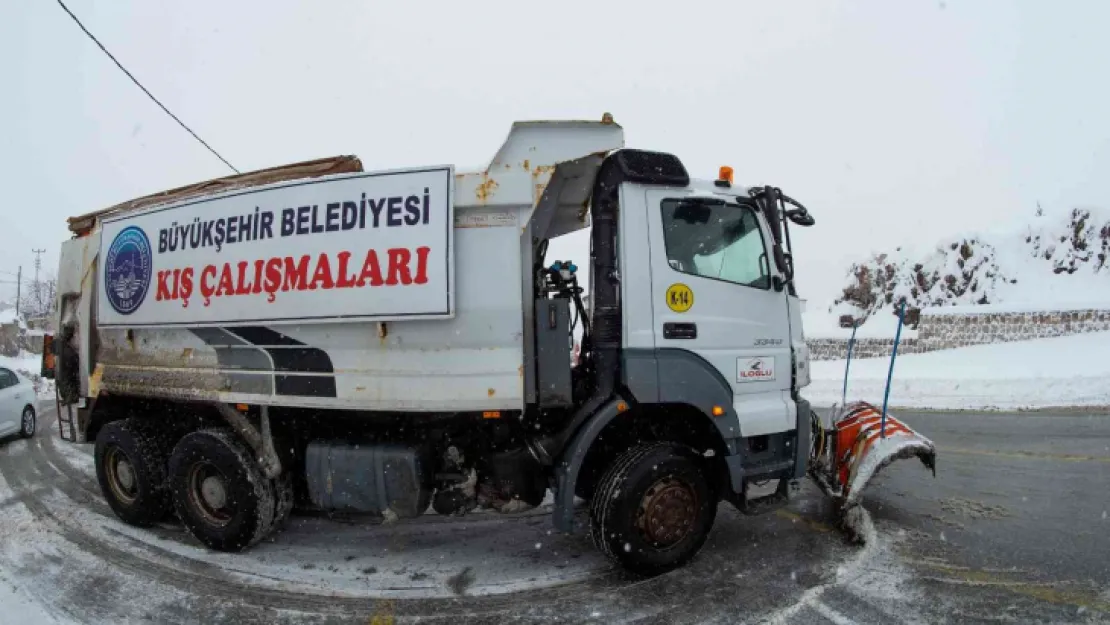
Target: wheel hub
207, 488
667, 511
122, 479
28, 421
125, 473
213, 491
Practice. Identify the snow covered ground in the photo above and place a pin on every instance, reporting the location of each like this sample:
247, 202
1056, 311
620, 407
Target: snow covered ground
19, 607
66, 560
1043, 373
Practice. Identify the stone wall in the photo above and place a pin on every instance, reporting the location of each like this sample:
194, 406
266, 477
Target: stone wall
948, 329
945, 331
836, 349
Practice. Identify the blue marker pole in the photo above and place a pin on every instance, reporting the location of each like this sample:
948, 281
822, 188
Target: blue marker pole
890, 374
848, 364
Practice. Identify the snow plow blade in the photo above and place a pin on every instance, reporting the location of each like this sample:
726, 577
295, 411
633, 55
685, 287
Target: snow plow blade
850, 448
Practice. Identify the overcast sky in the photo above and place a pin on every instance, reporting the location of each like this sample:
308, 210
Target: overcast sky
893, 121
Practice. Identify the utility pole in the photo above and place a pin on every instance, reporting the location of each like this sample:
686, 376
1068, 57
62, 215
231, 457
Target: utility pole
38, 262
36, 286
18, 283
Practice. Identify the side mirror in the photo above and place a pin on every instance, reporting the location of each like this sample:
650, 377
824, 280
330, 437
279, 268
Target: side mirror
801, 217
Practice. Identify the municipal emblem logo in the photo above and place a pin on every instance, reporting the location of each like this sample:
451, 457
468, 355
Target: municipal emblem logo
127, 270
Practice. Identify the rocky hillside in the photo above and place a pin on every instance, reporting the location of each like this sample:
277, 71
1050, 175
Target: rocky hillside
1054, 260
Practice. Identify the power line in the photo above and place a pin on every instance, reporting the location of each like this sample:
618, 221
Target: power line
140, 86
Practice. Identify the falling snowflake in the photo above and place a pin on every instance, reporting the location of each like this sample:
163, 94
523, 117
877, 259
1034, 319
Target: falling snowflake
627, 547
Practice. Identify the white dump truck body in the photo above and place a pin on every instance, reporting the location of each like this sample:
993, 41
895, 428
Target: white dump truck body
395, 290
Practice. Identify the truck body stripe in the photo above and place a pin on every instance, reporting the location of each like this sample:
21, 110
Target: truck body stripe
247, 354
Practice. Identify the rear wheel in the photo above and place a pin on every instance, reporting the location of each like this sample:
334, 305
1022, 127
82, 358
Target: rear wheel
653, 508
131, 468
219, 491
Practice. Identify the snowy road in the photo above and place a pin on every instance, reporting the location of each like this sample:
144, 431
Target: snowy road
64, 558
1017, 523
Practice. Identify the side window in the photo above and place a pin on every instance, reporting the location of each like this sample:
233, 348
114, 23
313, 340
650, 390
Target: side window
7, 379
715, 240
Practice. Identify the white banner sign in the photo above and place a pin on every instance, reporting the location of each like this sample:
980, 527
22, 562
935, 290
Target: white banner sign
359, 246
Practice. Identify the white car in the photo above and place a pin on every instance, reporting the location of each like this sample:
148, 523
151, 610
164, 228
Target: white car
17, 404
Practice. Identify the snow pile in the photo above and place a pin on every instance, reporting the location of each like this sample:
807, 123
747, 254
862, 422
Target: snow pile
29, 365
9, 316
1043, 373
1056, 261
25, 363
875, 576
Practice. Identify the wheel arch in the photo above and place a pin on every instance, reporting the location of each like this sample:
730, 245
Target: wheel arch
614, 430
178, 417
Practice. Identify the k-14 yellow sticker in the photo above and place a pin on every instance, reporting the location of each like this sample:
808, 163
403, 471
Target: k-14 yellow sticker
679, 297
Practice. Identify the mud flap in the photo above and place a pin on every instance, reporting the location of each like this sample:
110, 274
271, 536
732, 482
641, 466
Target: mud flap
850, 448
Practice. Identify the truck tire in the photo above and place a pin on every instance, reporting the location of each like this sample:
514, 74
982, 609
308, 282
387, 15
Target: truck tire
131, 469
653, 508
219, 491
27, 422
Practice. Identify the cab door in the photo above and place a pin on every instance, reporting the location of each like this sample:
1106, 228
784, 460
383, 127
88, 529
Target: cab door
715, 293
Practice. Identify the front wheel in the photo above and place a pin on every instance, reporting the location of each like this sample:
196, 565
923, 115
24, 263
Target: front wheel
653, 508
27, 423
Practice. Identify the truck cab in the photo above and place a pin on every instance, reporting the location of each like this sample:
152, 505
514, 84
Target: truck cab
698, 294
708, 297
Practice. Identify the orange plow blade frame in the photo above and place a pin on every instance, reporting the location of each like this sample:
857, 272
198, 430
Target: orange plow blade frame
850, 452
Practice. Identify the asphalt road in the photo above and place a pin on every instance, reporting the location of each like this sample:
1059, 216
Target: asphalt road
1013, 528
1016, 525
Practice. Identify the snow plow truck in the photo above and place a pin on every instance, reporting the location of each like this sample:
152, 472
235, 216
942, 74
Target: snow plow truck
321, 337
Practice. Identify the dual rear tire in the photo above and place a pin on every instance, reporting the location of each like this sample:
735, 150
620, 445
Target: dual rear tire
208, 478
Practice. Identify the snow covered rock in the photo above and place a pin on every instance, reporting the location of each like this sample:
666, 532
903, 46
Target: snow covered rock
1055, 260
